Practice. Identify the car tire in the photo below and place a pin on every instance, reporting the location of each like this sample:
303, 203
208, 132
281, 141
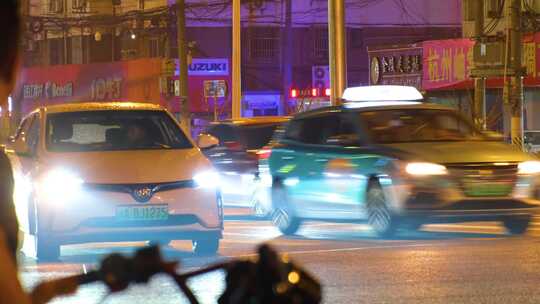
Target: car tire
283, 215
206, 246
380, 217
517, 225
47, 249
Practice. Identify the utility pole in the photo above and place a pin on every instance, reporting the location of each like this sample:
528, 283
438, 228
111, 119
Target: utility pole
236, 61
513, 85
479, 108
185, 119
287, 65
66, 29
113, 33
337, 49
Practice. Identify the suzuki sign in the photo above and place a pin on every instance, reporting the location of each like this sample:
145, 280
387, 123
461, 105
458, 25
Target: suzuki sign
209, 66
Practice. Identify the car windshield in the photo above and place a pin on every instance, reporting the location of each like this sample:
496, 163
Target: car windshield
256, 136
113, 130
417, 125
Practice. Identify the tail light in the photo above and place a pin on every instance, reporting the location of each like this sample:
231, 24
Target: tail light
233, 145
264, 153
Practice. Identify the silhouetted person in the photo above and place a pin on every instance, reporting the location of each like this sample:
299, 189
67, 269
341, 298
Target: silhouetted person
10, 287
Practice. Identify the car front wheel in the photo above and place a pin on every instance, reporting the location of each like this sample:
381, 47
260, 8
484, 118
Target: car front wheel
517, 225
380, 217
283, 215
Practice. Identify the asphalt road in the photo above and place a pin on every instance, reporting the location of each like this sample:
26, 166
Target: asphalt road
462, 263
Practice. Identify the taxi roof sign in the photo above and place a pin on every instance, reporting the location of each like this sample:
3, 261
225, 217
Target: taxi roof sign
382, 93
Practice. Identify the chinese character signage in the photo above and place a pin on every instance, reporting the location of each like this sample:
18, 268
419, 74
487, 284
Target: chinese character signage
396, 65
446, 62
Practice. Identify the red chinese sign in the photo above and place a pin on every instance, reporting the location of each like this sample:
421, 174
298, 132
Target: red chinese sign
447, 63
136, 80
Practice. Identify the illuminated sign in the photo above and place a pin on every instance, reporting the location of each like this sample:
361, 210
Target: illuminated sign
209, 66
47, 90
106, 88
399, 65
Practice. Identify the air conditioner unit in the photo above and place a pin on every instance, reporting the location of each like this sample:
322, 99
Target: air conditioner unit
320, 77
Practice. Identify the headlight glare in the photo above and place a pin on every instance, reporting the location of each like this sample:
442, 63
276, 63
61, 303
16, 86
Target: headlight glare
207, 179
61, 184
425, 169
529, 167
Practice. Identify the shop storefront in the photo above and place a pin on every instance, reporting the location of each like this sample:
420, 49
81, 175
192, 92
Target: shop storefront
143, 80
446, 80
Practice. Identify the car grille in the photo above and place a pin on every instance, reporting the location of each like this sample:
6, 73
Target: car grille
133, 188
484, 179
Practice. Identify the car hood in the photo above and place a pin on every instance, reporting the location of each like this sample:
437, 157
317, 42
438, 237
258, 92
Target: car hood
130, 167
459, 152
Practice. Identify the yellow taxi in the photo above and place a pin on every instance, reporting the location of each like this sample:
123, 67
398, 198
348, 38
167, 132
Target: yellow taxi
93, 172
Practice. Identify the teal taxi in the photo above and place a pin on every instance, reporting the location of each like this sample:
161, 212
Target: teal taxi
388, 158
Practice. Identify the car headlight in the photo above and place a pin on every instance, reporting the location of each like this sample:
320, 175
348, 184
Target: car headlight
529, 167
60, 184
424, 169
207, 179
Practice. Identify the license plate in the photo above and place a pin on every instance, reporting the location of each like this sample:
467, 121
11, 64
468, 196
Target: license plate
142, 213
490, 189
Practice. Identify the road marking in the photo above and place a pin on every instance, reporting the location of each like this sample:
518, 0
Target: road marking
342, 249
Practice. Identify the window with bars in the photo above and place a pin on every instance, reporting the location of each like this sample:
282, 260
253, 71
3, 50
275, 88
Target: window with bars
56, 51
79, 5
264, 44
494, 8
56, 6
320, 43
154, 49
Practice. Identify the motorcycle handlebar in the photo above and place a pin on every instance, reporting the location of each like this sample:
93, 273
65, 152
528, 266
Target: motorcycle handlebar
268, 279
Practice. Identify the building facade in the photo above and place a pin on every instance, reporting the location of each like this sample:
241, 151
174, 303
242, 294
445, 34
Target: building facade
86, 32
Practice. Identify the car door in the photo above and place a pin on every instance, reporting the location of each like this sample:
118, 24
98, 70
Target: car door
303, 157
326, 186
337, 166
288, 166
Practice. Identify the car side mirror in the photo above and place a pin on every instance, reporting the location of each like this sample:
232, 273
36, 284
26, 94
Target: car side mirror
493, 136
207, 141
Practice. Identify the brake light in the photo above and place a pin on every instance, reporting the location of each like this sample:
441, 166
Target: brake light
264, 153
233, 145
